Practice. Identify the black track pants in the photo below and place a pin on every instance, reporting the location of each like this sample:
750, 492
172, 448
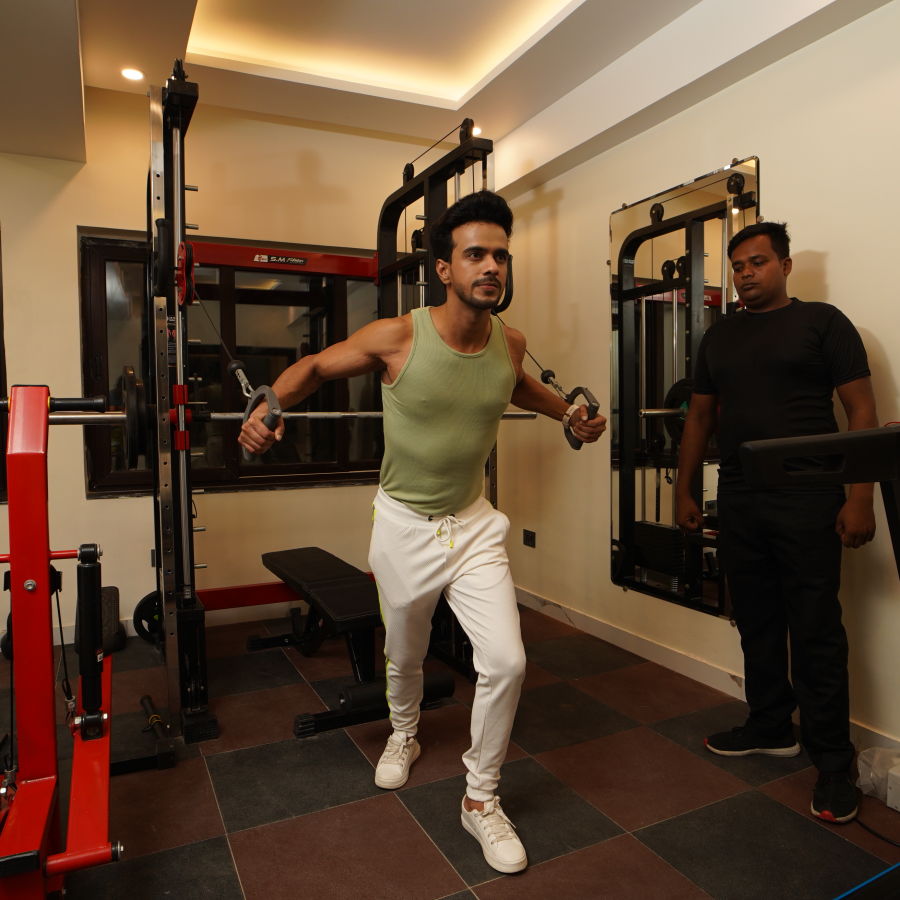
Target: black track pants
783, 560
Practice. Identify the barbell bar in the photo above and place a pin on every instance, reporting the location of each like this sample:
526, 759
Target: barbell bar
121, 418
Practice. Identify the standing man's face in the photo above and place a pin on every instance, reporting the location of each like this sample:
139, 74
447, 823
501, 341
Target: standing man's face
476, 273
760, 277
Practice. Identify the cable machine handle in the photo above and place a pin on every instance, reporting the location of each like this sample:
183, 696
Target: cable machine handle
593, 408
271, 418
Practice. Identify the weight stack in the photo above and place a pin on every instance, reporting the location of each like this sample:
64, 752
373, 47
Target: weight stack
661, 548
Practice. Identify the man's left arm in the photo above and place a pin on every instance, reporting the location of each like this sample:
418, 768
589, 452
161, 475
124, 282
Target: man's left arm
856, 520
530, 394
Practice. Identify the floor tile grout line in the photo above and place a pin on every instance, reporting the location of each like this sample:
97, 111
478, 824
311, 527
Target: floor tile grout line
667, 864
225, 833
412, 815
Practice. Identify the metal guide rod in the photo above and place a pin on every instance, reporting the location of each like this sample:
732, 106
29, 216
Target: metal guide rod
659, 413
180, 346
120, 418
723, 300
164, 507
674, 335
642, 394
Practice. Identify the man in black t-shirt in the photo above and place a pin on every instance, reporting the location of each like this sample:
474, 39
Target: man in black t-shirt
769, 371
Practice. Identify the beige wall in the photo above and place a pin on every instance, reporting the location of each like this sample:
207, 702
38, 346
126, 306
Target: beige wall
260, 178
823, 123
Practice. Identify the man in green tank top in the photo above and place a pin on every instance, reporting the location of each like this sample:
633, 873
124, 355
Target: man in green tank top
447, 373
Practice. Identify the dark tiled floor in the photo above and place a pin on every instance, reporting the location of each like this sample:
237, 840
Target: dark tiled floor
606, 779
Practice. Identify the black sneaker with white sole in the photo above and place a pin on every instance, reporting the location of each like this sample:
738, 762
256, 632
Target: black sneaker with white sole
742, 741
835, 798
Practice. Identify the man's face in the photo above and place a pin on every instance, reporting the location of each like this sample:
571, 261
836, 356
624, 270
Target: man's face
760, 277
476, 273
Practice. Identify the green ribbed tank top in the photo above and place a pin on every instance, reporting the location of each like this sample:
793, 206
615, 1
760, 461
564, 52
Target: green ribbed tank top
441, 416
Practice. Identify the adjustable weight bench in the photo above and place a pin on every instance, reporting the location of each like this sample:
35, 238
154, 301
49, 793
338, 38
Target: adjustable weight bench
342, 600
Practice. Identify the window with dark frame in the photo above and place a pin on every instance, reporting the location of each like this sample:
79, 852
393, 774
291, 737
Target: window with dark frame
268, 318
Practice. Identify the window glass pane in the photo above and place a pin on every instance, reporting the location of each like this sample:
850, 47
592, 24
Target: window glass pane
124, 308
204, 325
270, 338
270, 319
272, 281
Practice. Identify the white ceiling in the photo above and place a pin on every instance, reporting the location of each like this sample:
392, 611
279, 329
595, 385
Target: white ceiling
391, 66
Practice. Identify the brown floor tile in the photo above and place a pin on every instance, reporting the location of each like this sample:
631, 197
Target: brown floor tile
637, 777
535, 676
259, 717
463, 690
373, 849
158, 810
650, 693
538, 627
621, 868
128, 687
443, 736
795, 791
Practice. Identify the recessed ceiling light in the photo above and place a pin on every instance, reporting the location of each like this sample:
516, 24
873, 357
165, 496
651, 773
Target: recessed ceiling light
133, 74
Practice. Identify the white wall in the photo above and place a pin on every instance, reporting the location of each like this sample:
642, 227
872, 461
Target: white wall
260, 178
824, 125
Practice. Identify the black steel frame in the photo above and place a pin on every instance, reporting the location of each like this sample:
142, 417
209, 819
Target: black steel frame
182, 613
630, 295
430, 185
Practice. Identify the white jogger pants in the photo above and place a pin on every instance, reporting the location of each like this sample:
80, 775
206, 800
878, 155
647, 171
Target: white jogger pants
414, 558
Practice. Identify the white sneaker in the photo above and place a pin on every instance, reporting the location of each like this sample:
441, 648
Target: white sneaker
401, 752
497, 835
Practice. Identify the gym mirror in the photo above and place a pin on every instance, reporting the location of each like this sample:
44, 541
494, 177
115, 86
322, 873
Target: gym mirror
670, 280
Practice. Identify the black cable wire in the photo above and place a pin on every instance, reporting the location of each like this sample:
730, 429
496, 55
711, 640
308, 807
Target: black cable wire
212, 325
552, 382
10, 759
458, 125
877, 834
66, 684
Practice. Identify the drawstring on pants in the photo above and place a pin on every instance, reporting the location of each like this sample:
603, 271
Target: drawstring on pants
444, 531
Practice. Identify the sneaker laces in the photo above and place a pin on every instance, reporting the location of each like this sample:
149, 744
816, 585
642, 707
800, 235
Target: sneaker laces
494, 822
396, 748
444, 531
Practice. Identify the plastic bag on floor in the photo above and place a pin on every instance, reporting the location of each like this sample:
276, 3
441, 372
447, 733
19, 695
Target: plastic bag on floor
874, 765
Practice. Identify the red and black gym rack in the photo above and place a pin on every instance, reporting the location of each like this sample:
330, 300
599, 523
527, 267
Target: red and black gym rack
33, 856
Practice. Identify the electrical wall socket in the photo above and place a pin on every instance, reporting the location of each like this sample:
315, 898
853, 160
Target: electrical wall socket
529, 538
893, 788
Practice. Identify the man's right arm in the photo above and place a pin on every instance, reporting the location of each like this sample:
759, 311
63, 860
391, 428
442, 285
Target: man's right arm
368, 350
699, 426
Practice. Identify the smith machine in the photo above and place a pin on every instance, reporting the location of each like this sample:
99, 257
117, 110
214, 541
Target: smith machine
665, 252
157, 424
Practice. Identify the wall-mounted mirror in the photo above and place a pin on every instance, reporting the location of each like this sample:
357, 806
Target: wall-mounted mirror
670, 280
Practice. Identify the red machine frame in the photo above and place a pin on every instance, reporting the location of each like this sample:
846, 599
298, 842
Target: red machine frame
33, 859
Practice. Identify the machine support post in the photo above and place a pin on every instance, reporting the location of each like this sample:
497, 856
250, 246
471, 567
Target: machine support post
90, 634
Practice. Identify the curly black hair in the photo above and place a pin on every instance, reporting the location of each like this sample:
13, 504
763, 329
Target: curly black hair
482, 206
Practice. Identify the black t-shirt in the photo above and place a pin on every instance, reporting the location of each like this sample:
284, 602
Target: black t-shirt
775, 373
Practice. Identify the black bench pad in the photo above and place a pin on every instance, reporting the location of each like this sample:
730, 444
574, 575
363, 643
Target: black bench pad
339, 592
